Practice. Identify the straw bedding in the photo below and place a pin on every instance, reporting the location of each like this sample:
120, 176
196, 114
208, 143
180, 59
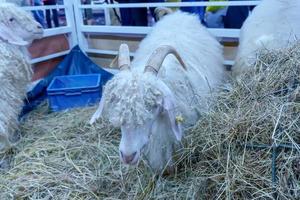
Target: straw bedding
227, 154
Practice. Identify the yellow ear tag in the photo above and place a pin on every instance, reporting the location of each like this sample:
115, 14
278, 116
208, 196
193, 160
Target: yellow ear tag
179, 119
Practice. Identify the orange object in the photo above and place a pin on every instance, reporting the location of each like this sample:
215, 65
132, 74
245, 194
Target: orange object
44, 47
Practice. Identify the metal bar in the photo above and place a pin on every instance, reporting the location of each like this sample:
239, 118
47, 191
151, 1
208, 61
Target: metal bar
111, 52
177, 4
30, 8
57, 31
257, 146
48, 57
82, 42
104, 52
218, 32
267, 146
286, 146
107, 16
274, 177
70, 17
116, 29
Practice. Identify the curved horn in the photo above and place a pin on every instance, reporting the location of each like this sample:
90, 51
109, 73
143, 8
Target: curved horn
158, 56
123, 57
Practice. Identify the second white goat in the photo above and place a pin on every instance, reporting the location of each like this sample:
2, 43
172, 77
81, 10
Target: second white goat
273, 24
164, 90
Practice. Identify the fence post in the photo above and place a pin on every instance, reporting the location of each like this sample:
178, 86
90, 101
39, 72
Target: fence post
107, 16
70, 17
82, 42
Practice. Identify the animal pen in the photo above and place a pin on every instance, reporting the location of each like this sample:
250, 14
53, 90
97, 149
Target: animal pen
101, 42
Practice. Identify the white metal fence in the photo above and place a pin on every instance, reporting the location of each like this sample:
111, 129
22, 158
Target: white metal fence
76, 30
69, 29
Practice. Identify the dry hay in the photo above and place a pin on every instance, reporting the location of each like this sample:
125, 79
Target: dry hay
60, 156
261, 108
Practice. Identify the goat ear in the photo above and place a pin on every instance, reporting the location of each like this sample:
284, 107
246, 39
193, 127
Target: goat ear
169, 108
99, 110
8, 35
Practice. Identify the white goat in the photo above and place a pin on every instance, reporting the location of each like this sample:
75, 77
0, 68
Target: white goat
160, 94
273, 24
17, 30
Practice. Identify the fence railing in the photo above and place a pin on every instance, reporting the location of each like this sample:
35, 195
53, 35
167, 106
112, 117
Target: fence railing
76, 30
69, 29
117, 30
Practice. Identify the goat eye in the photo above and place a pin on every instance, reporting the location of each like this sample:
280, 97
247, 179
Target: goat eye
12, 19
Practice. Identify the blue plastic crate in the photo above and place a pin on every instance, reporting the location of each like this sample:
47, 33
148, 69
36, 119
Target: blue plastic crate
72, 91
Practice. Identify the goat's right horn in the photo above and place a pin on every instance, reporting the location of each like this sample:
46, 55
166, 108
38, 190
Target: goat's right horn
158, 56
123, 57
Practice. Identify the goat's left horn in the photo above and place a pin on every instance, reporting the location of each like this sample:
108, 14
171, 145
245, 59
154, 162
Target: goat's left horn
123, 57
158, 56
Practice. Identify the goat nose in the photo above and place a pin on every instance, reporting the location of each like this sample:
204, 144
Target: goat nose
127, 159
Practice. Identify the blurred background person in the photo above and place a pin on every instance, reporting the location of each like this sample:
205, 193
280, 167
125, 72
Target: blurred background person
54, 16
38, 14
200, 11
214, 15
236, 15
88, 13
136, 16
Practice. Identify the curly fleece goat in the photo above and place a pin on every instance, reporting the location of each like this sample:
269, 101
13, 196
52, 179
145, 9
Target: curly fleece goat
17, 30
164, 90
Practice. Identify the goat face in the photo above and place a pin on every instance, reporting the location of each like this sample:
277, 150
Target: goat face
133, 141
159, 129
18, 26
154, 138
143, 106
